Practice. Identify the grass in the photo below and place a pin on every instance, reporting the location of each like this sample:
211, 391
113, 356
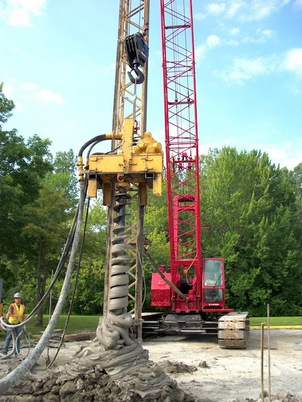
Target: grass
77, 323
277, 321
82, 323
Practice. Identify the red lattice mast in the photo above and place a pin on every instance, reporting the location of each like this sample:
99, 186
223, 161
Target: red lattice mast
181, 139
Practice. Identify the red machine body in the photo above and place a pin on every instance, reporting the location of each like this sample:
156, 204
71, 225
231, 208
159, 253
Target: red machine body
188, 271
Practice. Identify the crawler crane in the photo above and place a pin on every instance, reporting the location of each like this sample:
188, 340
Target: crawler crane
194, 287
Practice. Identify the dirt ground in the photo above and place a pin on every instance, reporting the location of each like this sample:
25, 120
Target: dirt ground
226, 374
210, 373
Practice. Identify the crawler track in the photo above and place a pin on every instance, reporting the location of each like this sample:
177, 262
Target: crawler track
231, 330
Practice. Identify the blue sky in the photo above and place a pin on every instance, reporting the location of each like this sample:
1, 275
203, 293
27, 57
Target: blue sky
58, 65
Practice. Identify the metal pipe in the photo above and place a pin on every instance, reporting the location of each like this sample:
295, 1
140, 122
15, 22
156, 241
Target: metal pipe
261, 350
269, 354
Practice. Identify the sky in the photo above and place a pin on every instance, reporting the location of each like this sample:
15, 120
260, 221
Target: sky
57, 63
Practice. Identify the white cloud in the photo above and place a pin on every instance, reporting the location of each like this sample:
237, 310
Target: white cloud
20, 12
234, 8
200, 52
216, 8
248, 10
48, 96
286, 154
19, 17
200, 16
234, 31
231, 42
261, 9
42, 94
267, 33
251, 66
261, 36
29, 86
245, 69
293, 61
212, 41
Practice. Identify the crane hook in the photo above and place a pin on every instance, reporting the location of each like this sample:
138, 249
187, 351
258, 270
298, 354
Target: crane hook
136, 51
139, 76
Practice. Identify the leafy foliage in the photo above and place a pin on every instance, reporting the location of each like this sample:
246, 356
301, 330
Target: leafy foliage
6, 106
250, 206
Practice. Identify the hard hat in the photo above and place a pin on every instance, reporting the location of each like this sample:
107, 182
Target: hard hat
17, 295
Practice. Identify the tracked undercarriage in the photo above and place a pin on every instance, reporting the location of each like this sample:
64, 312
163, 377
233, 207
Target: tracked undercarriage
232, 329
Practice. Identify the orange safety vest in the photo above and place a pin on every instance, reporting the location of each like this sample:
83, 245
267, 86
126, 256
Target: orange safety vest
19, 311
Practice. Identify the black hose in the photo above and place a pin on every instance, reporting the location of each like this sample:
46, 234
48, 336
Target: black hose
98, 138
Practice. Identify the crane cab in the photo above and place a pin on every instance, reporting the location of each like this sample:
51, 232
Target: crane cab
213, 286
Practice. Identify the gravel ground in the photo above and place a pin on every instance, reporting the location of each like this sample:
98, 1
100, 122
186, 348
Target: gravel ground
207, 372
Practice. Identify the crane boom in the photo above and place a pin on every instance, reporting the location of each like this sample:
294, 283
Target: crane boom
181, 139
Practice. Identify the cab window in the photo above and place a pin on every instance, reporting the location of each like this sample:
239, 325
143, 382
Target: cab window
213, 273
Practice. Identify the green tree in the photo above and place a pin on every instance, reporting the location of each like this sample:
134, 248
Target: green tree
48, 221
45, 232
90, 287
6, 106
249, 204
22, 166
64, 180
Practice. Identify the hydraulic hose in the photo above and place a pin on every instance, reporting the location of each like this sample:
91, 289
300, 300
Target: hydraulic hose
16, 374
73, 291
98, 138
10, 328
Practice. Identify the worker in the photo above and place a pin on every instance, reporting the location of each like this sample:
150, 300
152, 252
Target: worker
211, 279
15, 315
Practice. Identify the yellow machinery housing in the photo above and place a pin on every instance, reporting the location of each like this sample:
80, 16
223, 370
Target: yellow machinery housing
140, 163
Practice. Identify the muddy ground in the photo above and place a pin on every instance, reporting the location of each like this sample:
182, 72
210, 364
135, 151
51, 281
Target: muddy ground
209, 373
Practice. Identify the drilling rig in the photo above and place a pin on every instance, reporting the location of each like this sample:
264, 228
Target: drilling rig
125, 174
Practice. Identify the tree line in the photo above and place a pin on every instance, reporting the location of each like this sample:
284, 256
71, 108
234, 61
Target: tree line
252, 207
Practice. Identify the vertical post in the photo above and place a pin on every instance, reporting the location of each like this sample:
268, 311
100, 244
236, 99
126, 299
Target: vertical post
261, 349
269, 353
